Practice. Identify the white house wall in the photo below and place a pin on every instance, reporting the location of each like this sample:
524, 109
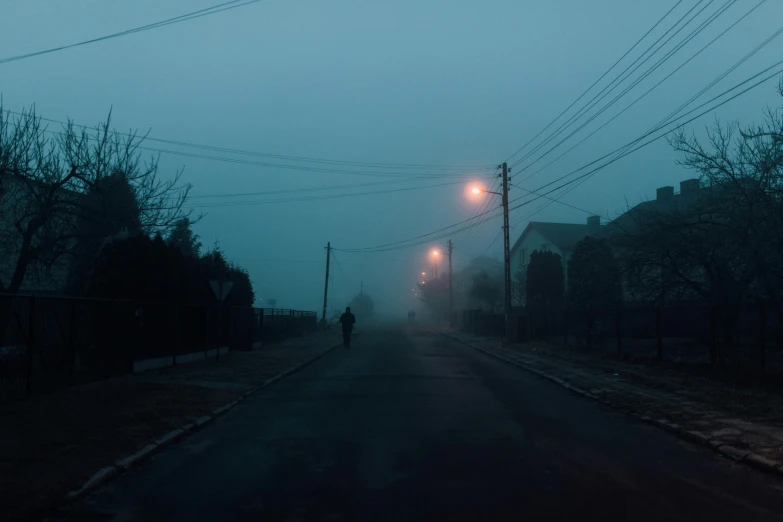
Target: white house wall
534, 240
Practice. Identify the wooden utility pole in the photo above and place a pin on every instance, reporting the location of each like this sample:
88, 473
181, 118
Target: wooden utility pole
451, 287
326, 282
506, 242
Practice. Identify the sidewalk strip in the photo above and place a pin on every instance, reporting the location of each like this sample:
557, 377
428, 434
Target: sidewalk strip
752, 459
104, 475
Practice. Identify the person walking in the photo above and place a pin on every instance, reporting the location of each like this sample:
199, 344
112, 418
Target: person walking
347, 320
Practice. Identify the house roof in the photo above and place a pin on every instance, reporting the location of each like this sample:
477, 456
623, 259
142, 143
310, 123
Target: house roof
563, 235
630, 220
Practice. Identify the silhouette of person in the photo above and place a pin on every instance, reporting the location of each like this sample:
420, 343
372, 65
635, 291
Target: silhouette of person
347, 320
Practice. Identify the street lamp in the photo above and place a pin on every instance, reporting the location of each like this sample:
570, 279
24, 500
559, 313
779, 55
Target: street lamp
506, 243
477, 190
435, 255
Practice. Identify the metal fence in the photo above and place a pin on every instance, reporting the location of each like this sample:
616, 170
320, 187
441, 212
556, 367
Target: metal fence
50, 342
749, 341
264, 325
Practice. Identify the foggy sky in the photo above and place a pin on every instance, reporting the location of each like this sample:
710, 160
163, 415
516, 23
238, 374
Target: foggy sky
426, 81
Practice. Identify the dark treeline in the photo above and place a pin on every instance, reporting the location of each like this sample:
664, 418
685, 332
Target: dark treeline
83, 214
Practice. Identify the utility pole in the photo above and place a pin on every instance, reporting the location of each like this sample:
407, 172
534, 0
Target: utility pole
451, 288
326, 283
506, 243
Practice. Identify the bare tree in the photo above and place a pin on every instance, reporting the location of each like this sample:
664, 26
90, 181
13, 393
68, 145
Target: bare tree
44, 177
742, 170
723, 244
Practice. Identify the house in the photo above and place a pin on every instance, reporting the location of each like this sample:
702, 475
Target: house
666, 201
560, 238
464, 277
636, 224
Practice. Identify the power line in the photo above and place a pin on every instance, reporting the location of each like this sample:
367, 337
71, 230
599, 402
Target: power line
618, 153
497, 236
357, 250
635, 82
556, 201
306, 189
626, 147
662, 125
580, 112
300, 168
219, 8
241, 152
315, 198
616, 83
777, 33
584, 93
303, 168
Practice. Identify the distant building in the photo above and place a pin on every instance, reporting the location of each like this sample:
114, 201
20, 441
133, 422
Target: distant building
560, 238
464, 277
633, 225
666, 201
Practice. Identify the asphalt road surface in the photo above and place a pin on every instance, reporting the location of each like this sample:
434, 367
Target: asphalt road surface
407, 425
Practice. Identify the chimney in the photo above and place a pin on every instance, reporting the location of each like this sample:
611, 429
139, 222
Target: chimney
665, 193
593, 224
689, 186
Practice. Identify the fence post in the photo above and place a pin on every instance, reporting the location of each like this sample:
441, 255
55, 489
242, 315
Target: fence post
221, 330
589, 328
658, 334
177, 334
28, 387
618, 329
762, 337
546, 325
530, 326
713, 320
206, 332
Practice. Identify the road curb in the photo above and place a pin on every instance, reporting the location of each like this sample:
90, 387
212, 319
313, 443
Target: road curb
748, 457
104, 475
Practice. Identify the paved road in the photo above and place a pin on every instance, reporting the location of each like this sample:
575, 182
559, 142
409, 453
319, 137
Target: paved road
407, 426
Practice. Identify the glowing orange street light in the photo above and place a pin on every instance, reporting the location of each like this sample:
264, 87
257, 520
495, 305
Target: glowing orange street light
477, 191
435, 253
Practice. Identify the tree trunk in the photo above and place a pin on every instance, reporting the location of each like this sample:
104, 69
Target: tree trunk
714, 343
22, 262
762, 338
658, 334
